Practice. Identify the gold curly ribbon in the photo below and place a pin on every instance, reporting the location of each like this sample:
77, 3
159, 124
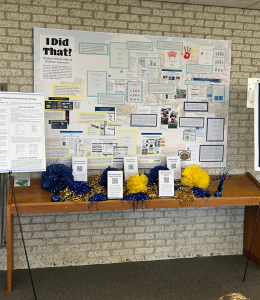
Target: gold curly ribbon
184, 195
152, 191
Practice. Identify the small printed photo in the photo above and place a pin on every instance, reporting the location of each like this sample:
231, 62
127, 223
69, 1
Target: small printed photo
181, 94
165, 115
173, 120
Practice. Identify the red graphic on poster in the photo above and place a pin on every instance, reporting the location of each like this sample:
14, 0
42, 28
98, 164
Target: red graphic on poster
172, 54
187, 53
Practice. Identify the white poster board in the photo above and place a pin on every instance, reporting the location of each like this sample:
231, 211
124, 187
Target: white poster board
123, 86
22, 138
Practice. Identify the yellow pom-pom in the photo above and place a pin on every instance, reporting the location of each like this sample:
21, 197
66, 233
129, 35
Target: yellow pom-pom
193, 175
137, 183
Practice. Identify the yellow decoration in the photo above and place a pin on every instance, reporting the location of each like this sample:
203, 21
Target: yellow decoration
137, 183
193, 175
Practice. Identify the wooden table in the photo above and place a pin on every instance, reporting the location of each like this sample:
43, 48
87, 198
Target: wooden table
239, 190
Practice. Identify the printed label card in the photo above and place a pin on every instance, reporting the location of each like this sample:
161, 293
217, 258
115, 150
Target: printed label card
115, 184
80, 168
130, 166
174, 163
166, 183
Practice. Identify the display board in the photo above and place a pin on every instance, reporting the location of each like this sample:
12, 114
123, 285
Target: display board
108, 95
256, 125
22, 138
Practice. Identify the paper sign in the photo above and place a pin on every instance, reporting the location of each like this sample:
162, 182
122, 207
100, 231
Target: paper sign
80, 168
166, 183
173, 163
130, 166
115, 184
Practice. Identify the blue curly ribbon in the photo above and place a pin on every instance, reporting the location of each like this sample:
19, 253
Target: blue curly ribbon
103, 180
80, 187
177, 186
200, 193
99, 197
136, 198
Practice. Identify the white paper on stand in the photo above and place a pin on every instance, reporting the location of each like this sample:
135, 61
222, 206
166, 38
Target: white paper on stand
173, 163
166, 183
80, 168
130, 166
115, 184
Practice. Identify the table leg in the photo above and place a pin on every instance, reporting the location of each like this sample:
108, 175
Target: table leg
249, 224
10, 248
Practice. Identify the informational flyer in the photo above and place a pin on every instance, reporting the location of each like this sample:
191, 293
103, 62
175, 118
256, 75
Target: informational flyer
80, 168
173, 163
81, 149
115, 184
152, 143
130, 166
71, 139
103, 147
166, 183
22, 135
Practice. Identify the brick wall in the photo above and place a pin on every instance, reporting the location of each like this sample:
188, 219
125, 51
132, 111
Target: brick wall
104, 237
64, 239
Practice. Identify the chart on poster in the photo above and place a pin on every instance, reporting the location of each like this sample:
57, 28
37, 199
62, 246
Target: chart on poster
124, 94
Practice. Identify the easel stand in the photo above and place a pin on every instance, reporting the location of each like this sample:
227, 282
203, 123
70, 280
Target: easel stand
21, 230
251, 242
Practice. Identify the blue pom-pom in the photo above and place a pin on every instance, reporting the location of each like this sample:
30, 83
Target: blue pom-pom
103, 180
56, 178
136, 198
154, 173
80, 187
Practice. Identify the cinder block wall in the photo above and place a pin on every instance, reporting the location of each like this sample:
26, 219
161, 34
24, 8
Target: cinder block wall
118, 236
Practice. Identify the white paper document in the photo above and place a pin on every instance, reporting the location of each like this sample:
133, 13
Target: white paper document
211, 153
215, 129
119, 56
143, 120
205, 55
191, 122
173, 163
71, 139
100, 160
80, 168
115, 184
97, 83
166, 183
58, 152
130, 166
22, 138
127, 138
81, 149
